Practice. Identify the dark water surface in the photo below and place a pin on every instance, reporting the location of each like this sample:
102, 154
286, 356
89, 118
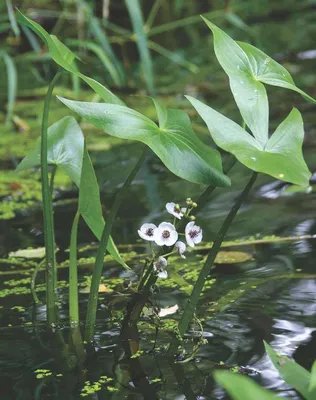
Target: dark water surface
272, 297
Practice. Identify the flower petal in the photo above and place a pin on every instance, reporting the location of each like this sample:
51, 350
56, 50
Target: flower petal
170, 241
146, 226
181, 248
144, 229
158, 238
170, 207
166, 226
189, 227
199, 237
163, 274
189, 240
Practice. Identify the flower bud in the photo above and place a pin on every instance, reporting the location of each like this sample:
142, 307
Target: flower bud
194, 205
192, 217
189, 201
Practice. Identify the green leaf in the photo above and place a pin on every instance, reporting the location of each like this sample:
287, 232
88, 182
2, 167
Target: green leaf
136, 17
66, 151
12, 77
247, 68
90, 206
241, 387
250, 95
291, 372
268, 71
174, 142
64, 58
312, 383
282, 156
12, 18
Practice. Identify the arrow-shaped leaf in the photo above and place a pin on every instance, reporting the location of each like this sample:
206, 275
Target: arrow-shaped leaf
174, 142
248, 68
250, 95
66, 151
282, 156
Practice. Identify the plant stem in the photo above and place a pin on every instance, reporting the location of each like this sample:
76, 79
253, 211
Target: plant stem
189, 308
51, 188
97, 272
73, 273
33, 282
48, 211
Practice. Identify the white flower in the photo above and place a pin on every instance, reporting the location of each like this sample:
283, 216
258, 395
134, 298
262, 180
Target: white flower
181, 247
147, 231
175, 211
193, 233
160, 266
165, 234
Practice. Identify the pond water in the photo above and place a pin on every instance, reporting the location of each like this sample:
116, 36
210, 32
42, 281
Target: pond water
261, 287
271, 297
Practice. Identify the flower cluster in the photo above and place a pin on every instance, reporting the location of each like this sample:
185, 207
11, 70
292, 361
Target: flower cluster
165, 234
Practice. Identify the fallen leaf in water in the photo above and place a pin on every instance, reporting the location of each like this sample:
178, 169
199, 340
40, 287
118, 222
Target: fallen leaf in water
232, 257
29, 253
102, 289
168, 311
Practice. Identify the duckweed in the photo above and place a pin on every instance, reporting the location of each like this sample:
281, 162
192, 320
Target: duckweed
91, 388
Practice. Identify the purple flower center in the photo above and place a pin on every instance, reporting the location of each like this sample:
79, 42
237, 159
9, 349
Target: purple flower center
150, 232
194, 233
176, 210
165, 234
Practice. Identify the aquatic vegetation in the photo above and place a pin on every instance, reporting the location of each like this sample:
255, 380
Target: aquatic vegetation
94, 387
21, 193
63, 146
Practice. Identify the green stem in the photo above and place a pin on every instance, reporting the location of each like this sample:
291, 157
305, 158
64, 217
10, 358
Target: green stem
33, 282
189, 308
73, 273
97, 272
51, 188
48, 211
152, 14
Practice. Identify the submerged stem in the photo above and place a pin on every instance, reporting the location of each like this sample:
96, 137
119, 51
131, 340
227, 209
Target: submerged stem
97, 272
73, 273
189, 308
48, 211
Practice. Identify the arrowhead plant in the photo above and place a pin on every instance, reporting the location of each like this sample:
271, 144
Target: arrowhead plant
175, 143
248, 70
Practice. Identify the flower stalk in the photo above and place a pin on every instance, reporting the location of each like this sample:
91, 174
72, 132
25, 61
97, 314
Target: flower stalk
97, 272
192, 302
